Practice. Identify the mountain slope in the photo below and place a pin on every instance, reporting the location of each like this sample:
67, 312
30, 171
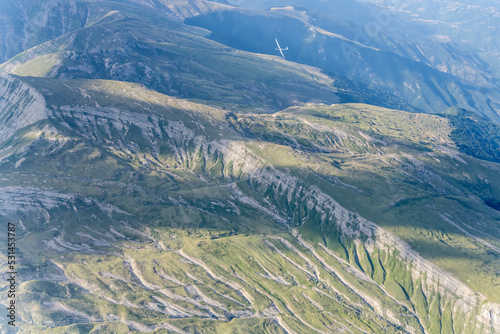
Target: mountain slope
126, 43
163, 213
473, 23
428, 75
164, 182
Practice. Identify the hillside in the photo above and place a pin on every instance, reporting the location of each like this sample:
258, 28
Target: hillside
150, 48
396, 47
164, 180
150, 212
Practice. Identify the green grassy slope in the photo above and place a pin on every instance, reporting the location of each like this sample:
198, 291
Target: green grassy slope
149, 213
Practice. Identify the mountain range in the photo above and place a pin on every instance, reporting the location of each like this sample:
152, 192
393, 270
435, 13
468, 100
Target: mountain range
169, 172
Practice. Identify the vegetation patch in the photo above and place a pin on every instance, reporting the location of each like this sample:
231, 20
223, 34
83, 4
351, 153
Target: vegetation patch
475, 135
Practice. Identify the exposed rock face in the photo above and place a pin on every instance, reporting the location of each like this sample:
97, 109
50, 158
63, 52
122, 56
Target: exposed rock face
20, 106
14, 199
353, 227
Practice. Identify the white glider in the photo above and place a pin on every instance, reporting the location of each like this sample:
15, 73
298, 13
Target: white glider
280, 49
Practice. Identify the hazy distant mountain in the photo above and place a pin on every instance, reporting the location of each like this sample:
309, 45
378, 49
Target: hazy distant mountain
418, 60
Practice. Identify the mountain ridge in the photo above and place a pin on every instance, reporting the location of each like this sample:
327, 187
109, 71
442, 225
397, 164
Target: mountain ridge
215, 152
208, 189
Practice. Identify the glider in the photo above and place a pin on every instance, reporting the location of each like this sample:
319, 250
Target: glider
280, 49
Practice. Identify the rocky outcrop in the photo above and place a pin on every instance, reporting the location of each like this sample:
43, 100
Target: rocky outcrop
20, 105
